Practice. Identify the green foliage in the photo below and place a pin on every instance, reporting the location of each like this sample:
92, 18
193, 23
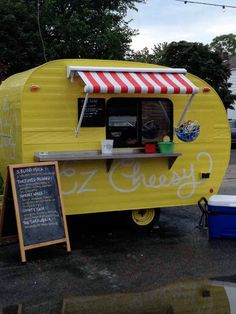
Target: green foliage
144, 55
159, 52
19, 40
69, 28
86, 29
200, 60
140, 56
224, 43
196, 58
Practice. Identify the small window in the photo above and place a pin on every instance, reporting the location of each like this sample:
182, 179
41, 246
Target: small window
94, 115
132, 122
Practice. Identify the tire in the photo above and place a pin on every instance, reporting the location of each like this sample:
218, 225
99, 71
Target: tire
143, 219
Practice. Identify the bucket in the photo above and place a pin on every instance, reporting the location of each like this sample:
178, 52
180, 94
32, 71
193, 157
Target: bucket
107, 146
166, 147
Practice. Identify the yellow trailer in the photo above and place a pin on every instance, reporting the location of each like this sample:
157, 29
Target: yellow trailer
63, 109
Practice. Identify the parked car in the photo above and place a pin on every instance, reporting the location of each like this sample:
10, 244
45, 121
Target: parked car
233, 131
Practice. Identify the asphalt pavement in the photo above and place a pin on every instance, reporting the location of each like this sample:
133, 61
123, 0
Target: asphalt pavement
108, 258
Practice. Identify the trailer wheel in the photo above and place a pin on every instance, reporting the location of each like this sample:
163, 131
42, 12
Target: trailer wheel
144, 219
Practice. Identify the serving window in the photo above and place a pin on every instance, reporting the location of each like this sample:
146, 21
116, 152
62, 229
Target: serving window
132, 122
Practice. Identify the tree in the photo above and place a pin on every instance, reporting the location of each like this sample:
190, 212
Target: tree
159, 52
144, 55
200, 60
224, 44
19, 41
34, 30
140, 56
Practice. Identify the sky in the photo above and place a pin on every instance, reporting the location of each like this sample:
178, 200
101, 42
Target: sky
161, 21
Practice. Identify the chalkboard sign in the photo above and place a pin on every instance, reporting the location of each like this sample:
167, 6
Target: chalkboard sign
38, 205
94, 115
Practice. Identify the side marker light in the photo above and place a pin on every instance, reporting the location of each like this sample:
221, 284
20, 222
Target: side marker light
34, 88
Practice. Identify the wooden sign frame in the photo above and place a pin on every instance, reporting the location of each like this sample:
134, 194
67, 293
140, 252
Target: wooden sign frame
12, 185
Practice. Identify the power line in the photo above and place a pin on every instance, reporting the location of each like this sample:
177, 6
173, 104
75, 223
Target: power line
223, 6
40, 32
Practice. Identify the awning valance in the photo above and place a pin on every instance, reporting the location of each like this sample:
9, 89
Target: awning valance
134, 80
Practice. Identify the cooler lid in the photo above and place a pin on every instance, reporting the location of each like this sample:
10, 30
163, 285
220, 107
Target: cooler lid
222, 200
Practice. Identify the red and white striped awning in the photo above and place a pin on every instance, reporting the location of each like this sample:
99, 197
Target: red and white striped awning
134, 80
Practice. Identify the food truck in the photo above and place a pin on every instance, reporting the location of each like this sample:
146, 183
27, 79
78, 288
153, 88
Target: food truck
128, 136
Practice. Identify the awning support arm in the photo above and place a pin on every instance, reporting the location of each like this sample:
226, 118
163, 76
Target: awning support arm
82, 114
186, 109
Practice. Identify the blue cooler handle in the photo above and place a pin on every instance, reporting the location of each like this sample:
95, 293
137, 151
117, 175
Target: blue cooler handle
203, 206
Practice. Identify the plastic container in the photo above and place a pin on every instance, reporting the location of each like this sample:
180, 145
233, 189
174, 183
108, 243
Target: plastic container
166, 147
222, 216
107, 147
150, 148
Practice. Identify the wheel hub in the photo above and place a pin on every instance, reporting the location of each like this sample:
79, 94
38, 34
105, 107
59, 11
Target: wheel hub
143, 217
